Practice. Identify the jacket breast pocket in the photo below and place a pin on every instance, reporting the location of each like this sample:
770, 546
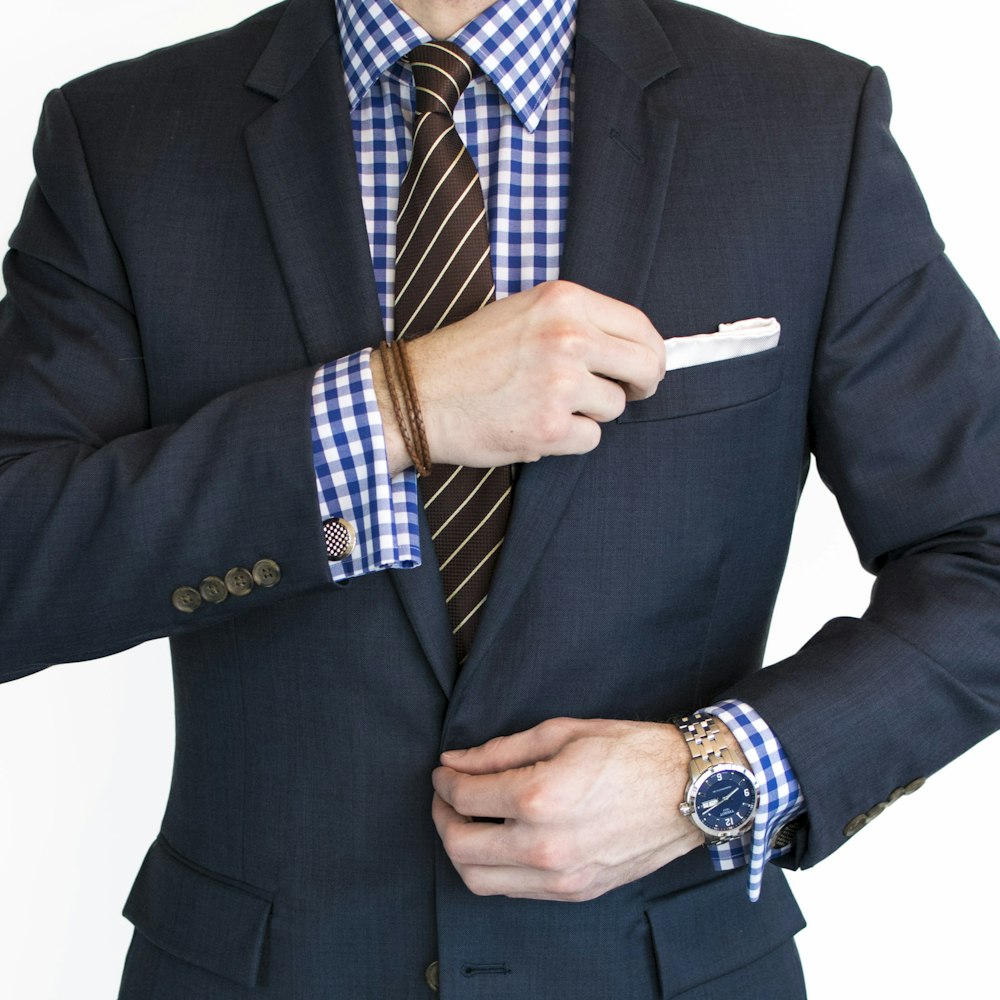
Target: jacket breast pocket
199, 917
717, 385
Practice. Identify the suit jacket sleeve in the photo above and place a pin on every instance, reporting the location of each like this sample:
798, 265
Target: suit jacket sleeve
103, 515
905, 428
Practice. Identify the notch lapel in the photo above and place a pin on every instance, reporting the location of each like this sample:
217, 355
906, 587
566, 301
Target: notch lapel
623, 142
302, 152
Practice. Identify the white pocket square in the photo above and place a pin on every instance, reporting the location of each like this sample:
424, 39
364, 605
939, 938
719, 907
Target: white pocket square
731, 340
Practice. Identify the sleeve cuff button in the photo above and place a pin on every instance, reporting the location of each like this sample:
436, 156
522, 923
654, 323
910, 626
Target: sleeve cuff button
239, 581
856, 824
266, 573
186, 599
213, 590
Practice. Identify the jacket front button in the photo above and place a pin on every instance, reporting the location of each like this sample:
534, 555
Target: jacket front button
266, 573
239, 581
213, 590
186, 599
433, 975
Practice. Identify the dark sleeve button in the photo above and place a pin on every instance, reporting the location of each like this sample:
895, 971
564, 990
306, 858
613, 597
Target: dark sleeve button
266, 573
213, 590
856, 824
239, 581
186, 599
339, 537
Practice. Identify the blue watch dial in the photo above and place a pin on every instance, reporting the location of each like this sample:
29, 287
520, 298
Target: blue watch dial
725, 801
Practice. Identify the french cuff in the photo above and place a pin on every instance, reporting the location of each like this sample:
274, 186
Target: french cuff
781, 799
373, 516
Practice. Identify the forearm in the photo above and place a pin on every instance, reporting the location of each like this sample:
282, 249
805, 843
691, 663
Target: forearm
98, 536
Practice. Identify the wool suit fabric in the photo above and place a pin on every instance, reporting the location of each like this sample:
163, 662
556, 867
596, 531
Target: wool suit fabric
195, 247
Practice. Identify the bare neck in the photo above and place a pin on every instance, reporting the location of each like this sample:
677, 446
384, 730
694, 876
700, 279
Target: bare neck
442, 18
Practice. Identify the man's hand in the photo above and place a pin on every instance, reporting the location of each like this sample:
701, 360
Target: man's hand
587, 805
531, 375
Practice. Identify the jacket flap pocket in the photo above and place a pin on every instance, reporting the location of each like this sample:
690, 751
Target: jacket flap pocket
744, 931
197, 916
716, 385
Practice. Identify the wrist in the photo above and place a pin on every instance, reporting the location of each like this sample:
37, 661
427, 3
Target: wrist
395, 447
722, 795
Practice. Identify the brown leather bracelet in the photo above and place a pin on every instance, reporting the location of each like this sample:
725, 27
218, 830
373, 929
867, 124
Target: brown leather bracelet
422, 461
388, 357
404, 406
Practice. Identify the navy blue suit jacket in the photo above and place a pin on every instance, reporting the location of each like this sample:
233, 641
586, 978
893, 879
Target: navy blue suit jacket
194, 247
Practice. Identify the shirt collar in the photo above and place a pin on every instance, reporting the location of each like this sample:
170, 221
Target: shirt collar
521, 45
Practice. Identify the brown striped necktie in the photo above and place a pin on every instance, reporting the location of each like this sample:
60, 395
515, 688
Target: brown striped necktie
444, 273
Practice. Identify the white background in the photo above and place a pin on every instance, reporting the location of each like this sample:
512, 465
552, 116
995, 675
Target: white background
85, 749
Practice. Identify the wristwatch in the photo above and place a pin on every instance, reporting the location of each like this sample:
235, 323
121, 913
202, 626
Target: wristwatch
722, 795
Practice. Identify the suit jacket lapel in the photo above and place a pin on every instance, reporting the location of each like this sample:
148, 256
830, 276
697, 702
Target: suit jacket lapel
623, 144
302, 151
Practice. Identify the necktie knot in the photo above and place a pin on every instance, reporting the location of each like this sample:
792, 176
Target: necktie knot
441, 72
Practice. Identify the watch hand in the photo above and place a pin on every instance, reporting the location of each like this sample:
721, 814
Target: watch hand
709, 806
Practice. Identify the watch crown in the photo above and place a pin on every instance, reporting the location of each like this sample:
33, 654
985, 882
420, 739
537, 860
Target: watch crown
685, 808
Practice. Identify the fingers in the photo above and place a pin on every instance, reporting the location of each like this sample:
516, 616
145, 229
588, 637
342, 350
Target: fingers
585, 805
509, 859
611, 338
630, 350
635, 368
530, 375
508, 795
517, 750
514, 859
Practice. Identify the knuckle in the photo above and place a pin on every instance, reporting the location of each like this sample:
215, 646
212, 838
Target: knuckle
563, 338
554, 727
655, 372
557, 294
571, 886
475, 882
591, 436
452, 844
551, 427
460, 799
618, 399
536, 803
548, 855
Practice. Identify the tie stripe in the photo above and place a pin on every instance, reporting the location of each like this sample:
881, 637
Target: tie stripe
458, 510
451, 211
418, 177
439, 282
472, 534
444, 273
475, 569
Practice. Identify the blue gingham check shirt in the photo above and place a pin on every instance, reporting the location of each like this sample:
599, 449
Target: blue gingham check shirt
516, 121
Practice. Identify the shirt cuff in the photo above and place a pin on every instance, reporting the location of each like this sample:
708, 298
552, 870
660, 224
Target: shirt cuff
781, 798
352, 471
